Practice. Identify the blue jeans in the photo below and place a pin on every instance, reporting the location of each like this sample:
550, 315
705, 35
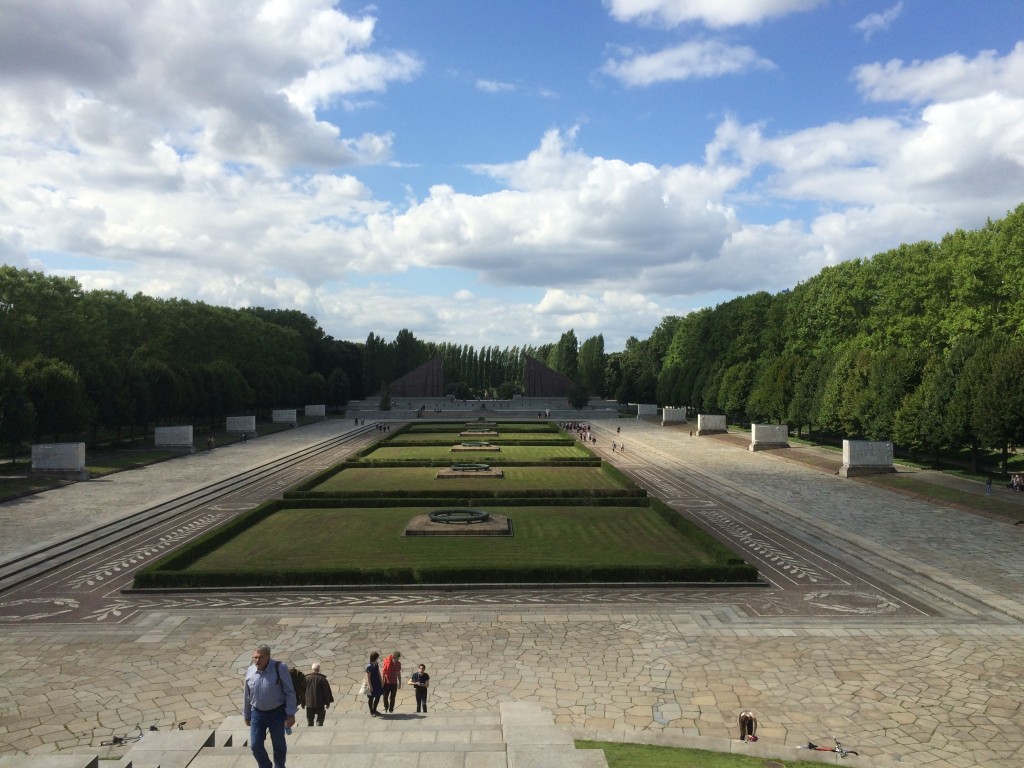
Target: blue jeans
259, 723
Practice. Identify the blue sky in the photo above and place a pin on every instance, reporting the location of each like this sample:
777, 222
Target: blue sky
489, 172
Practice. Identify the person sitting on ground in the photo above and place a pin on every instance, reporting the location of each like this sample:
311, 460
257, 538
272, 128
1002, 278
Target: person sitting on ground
748, 726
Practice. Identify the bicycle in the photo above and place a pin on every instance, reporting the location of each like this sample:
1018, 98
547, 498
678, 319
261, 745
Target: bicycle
838, 748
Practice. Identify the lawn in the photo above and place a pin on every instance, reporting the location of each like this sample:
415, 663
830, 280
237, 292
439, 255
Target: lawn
455, 437
532, 453
976, 501
372, 538
367, 479
651, 756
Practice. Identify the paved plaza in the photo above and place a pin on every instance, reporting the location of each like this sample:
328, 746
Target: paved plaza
891, 622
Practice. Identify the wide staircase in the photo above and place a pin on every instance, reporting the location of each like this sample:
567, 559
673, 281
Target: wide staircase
519, 735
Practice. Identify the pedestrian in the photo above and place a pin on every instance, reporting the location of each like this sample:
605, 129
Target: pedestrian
420, 681
392, 680
748, 726
374, 686
318, 695
268, 704
988, 485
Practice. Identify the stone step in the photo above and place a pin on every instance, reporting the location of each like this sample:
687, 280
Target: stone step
521, 735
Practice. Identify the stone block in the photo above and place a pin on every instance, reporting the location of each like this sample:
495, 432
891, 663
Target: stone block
285, 416
710, 424
866, 457
58, 457
316, 411
671, 415
765, 437
241, 424
173, 437
646, 409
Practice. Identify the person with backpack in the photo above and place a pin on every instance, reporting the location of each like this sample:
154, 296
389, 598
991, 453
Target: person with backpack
318, 696
392, 679
268, 704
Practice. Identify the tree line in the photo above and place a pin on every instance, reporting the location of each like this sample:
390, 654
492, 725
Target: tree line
921, 345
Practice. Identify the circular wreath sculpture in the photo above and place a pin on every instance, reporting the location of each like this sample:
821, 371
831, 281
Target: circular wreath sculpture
470, 467
459, 516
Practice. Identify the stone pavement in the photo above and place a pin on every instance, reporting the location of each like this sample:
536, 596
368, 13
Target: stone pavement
941, 687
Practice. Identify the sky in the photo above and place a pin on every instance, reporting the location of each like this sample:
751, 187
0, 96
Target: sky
488, 172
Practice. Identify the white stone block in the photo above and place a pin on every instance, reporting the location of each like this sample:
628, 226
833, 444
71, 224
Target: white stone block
710, 424
285, 416
58, 457
866, 457
671, 415
173, 437
767, 436
317, 411
646, 409
241, 424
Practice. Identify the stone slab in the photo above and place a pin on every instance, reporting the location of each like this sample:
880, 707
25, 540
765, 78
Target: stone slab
710, 424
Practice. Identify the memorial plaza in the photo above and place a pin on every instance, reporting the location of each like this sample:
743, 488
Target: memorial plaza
887, 620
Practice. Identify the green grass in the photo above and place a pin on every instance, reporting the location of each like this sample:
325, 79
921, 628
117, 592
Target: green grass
108, 463
533, 453
363, 480
455, 437
372, 538
975, 501
650, 756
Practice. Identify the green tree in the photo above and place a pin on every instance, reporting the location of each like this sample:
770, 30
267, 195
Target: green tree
338, 389
17, 414
591, 364
58, 396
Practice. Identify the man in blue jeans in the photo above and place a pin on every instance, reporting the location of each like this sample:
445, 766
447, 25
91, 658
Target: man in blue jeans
268, 704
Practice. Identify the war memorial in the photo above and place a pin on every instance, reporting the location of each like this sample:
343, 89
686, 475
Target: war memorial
891, 621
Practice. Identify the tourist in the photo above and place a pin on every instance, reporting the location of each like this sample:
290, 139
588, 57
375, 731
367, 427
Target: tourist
420, 681
318, 695
988, 485
268, 704
374, 686
392, 680
748, 726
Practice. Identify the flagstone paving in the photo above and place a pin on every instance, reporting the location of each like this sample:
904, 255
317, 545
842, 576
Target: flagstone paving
890, 622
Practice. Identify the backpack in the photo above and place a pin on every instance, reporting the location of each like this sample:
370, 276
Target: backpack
298, 682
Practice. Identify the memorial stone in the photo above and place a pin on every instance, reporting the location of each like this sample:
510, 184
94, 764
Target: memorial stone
710, 424
285, 416
316, 411
173, 437
671, 415
764, 437
866, 457
245, 424
58, 457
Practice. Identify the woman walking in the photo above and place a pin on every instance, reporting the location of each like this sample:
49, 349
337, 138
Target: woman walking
374, 684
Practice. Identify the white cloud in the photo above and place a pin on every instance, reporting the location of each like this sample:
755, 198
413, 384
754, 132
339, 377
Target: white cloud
227, 82
712, 13
494, 86
687, 61
878, 22
946, 78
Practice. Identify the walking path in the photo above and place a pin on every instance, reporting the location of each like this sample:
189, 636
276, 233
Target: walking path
914, 656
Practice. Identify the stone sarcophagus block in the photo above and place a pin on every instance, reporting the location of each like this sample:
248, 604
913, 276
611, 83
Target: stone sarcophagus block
710, 424
241, 424
173, 437
671, 415
866, 457
315, 411
764, 437
58, 457
285, 416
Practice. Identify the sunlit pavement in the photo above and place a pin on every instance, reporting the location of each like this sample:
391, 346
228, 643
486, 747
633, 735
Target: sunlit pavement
890, 623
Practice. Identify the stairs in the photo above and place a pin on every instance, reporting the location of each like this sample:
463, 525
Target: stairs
519, 735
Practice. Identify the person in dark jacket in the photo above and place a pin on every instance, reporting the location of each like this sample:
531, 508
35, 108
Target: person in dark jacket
318, 695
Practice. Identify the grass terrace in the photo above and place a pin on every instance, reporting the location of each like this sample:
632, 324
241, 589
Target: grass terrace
570, 524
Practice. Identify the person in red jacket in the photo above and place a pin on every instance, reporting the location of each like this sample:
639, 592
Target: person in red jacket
392, 673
